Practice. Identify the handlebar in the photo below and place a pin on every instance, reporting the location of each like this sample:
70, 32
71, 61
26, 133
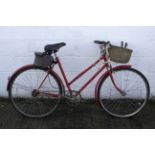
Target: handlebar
102, 42
99, 42
104, 46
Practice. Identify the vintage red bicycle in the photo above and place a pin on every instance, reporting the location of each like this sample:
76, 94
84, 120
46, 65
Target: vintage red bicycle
36, 90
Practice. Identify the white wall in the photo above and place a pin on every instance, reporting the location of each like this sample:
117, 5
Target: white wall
17, 45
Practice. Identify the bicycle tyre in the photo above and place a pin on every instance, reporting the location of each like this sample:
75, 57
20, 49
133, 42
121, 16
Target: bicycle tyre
38, 101
120, 104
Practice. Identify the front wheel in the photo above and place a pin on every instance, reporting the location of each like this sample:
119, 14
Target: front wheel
135, 87
27, 98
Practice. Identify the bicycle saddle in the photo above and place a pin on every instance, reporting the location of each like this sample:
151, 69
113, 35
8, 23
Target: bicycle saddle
53, 47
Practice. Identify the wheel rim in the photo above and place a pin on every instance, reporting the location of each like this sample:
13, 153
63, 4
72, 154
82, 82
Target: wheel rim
22, 93
135, 88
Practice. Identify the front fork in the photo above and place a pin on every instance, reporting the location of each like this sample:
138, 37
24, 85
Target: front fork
110, 71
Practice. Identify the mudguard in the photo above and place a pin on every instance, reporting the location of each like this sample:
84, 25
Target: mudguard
103, 76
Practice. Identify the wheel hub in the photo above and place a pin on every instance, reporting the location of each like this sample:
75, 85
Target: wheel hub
35, 93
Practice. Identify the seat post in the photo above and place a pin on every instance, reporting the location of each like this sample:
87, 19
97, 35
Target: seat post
55, 55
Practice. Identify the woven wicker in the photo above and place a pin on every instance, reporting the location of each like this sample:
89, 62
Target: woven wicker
43, 60
119, 54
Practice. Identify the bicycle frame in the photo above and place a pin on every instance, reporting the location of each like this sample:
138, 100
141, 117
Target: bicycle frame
68, 84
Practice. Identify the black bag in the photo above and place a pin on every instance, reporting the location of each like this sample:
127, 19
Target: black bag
43, 60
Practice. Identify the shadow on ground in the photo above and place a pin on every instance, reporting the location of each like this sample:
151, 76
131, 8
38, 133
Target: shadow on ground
85, 116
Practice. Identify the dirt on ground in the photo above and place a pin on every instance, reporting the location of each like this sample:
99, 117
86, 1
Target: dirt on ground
86, 116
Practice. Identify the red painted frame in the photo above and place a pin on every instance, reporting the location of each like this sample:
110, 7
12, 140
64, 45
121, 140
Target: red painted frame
68, 84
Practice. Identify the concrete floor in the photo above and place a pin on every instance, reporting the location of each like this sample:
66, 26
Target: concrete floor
85, 116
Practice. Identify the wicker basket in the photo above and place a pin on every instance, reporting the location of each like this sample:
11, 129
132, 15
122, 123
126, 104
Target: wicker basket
43, 60
119, 54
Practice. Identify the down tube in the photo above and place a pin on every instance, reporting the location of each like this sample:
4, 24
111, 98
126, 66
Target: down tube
91, 79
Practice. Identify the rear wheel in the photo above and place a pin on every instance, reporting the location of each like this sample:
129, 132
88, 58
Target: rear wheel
133, 84
23, 93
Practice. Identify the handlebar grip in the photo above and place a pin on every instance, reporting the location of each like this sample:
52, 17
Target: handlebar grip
99, 42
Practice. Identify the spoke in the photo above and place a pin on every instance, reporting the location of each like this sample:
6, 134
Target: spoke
22, 87
134, 87
125, 87
134, 83
114, 106
52, 84
109, 105
40, 105
40, 108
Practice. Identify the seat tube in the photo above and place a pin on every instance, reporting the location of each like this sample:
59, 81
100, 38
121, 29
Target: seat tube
63, 74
